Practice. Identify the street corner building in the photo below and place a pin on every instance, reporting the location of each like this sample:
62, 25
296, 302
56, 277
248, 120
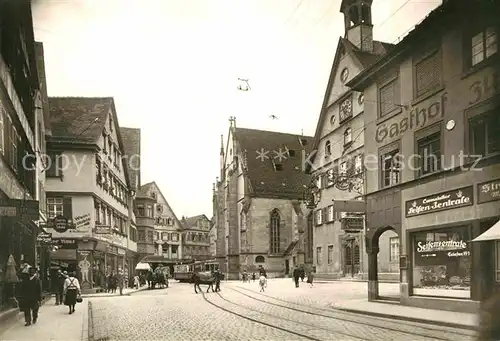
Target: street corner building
432, 116
21, 134
336, 163
258, 202
159, 229
88, 191
196, 237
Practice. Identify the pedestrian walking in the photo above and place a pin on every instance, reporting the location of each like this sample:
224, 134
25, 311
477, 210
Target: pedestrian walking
136, 282
30, 295
120, 280
302, 274
59, 286
218, 278
262, 283
253, 276
72, 292
310, 279
296, 276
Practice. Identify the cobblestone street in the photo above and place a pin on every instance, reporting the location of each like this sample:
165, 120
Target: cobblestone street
240, 312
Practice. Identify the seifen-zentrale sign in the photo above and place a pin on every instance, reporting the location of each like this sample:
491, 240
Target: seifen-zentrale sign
456, 198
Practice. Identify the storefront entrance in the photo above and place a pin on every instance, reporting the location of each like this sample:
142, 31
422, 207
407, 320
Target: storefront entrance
351, 257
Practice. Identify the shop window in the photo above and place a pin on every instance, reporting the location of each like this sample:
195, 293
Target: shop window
394, 249
319, 255
442, 262
330, 254
485, 133
390, 168
429, 152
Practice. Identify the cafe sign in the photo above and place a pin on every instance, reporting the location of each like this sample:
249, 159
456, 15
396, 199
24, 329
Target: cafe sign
488, 191
456, 198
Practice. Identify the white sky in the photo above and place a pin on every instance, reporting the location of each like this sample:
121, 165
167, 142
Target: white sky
172, 67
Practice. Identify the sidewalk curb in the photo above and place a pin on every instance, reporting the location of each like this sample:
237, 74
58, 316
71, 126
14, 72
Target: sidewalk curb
407, 318
89, 296
10, 317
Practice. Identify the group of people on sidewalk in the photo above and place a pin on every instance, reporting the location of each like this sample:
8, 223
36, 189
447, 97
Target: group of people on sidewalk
30, 292
299, 273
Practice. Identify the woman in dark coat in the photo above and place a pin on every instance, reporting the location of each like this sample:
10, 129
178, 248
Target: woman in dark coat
72, 290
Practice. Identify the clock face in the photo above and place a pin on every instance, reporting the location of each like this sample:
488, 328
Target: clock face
346, 109
344, 74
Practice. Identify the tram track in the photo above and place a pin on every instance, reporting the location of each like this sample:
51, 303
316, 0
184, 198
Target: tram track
408, 329
257, 321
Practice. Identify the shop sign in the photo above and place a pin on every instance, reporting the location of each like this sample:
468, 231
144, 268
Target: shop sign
44, 237
60, 224
102, 229
82, 221
460, 197
8, 211
67, 243
488, 191
415, 118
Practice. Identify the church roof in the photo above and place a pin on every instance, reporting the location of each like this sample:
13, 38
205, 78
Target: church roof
272, 171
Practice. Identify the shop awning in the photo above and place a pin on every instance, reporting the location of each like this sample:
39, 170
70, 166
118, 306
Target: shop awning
143, 266
493, 233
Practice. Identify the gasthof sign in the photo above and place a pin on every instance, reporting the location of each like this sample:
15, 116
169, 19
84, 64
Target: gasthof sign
456, 198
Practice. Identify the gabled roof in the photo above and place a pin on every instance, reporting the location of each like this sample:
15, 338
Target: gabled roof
78, 119
362, 58
189, 222
264, 180
437, 20
131, 138
144, 189
81, 120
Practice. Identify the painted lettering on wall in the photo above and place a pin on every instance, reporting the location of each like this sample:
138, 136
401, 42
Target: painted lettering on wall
445, 245
417, 117
482, 89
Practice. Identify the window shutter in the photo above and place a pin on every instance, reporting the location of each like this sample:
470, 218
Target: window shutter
68, 208
427, 74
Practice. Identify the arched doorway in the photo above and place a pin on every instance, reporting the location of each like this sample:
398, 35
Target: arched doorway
383, 249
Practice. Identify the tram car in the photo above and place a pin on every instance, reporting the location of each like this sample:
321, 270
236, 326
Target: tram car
184, 272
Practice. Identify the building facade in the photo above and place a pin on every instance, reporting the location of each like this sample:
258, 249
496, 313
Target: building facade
196, 237
168, 236
337, 162
258, 202
88, 191
19, 88
432, 114
213, 239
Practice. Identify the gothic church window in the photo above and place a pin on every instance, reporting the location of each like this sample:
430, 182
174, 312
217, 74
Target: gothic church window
275, 232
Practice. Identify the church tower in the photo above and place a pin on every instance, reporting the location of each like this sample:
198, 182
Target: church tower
358, 23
